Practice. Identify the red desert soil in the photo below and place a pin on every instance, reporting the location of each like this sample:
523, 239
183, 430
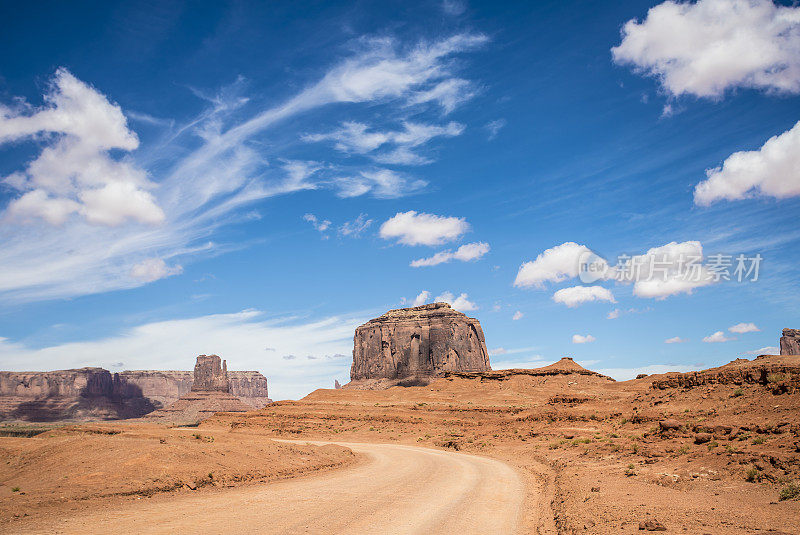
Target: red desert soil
710, 452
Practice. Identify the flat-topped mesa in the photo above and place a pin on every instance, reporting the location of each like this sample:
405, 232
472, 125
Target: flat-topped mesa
790, 342
423, 341
210, 375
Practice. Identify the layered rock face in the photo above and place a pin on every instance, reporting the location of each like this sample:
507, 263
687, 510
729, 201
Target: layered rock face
210, 393
97, 394
210, 375
418, 342
790, 342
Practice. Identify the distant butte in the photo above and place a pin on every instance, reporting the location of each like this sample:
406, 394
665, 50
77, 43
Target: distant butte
412, 345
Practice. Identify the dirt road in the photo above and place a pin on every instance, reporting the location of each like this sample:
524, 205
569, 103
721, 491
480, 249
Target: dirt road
398, 490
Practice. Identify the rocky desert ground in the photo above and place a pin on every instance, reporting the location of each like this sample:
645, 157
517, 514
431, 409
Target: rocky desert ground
716, 451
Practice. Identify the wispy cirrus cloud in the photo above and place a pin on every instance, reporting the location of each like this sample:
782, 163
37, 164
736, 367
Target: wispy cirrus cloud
215, 170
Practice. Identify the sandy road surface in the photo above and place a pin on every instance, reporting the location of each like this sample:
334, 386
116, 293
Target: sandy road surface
399, 490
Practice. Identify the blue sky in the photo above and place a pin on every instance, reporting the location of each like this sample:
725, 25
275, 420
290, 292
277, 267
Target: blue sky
255, 180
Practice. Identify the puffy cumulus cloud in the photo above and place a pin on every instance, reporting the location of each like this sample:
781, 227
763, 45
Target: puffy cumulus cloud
675, 340
423, 297
239, 337
553, 265
412, 228
668, 270
381, 183
152, 269
356, 138
773, 171
707, 47
517, 315
717, 337
460, 303
466, 253
741, 328
577, 295
581, 339
74, 173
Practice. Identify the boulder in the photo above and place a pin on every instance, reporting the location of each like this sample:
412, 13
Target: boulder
669, 425
790, 342
419, 342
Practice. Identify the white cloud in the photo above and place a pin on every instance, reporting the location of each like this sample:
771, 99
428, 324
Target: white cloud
717, 337
614, 314
768, 350
453, 7
741, 328
217, 171
449, 94
355, 138
238, 337
497, 351
707, 47
578, 295
412, 228
460, 303
581, 339
382, 183
423, 297
773, 170
494, 127
355, 227
320, 225
466, 253
554, 265
74, 173
675, 340
517, 315
676, 269
152, 269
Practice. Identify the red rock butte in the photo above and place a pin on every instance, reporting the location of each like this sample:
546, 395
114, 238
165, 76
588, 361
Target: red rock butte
210, 393
419, 342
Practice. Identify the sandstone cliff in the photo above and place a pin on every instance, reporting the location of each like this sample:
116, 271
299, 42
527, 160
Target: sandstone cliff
96, 393
790, 342
210, 393
418, 342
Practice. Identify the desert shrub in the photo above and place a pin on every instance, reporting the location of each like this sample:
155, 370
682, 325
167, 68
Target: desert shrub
754, 475
791, 491
630, 470
759, 440
683, 450
713, 444
738, 392
775, 378
635, 448
14, 489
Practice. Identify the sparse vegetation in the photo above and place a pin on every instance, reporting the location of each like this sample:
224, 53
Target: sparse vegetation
773, 378
14, 489
630, 470
754, 475
738, 393
790, 492
759, 440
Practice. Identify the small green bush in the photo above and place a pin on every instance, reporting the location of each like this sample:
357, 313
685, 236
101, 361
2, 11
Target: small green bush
791, 491
754, 475
738, 392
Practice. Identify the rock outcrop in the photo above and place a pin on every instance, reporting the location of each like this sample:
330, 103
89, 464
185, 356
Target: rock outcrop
80, 394
209, 375
565, 366
418, 343
790, 342
779, 373
97, 394
210, 393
